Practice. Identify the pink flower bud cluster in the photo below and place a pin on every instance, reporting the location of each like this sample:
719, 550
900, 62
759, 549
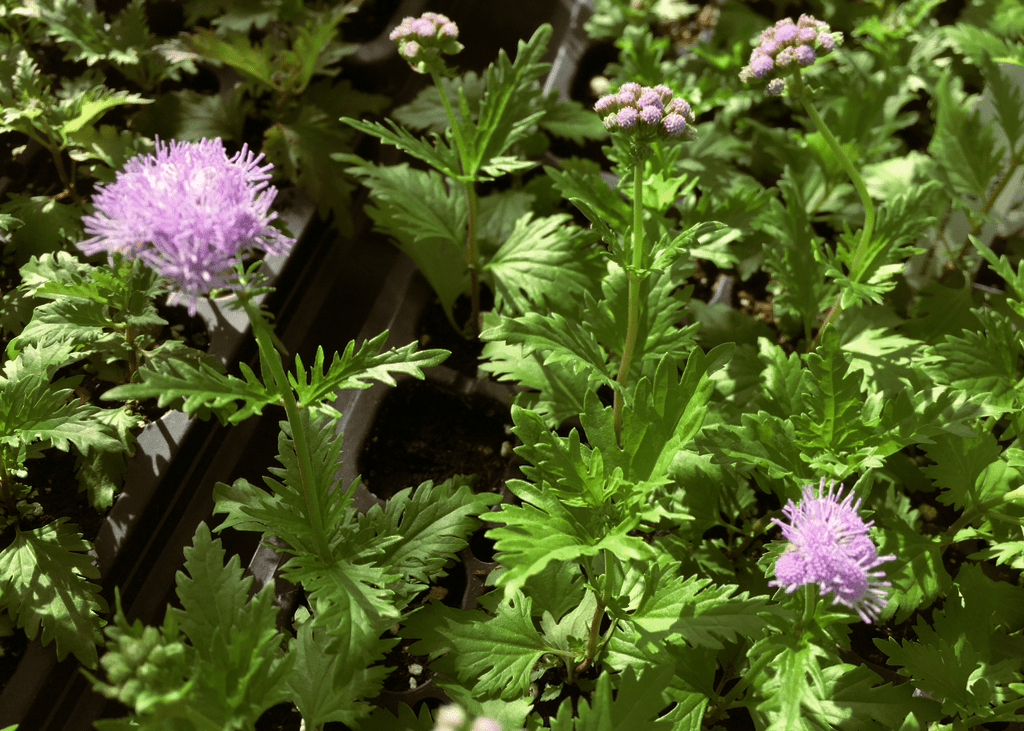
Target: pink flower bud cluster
829, 546
422, 39
787, 46
646, 111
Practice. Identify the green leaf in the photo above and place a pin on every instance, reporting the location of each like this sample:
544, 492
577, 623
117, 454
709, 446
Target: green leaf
94, 105
697, 612
32, 408
498, 655
574, 122
46, 584
201, 386
635, 705
505, 116
561, 342
790, 255
330, 682
557, 392
427, 219
434, 522
965, 149
355, 369
544, 529
439, 155
238, 674
542, 259
580, 182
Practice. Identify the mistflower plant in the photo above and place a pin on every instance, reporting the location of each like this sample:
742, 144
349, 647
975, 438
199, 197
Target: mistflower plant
190, 213
829, 547
782, 51
641, 115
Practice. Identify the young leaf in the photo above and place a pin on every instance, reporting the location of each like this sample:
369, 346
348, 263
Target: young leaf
46, 584
697, 612
498, 655
330, 682
201, 385
636, 704
966, 150
542, 259
433, 522
439, 155
354, 369
505, 116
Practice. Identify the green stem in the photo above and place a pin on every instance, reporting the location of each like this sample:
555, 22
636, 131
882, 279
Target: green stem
472, 261
800, 91
595, 622
264, 339
633, 297
460, 142
737, 690
977, 511
986, 207
472, 250
810, 605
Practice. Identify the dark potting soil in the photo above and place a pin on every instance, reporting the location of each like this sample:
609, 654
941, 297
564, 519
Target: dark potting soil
435, 330
425, 432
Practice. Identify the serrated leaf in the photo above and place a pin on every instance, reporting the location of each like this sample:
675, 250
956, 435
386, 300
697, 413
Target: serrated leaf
331, 682
201, 386
433, 522
439, 156
699, 613
355, 369
498, 655
426, 218
635, 705
966, 150
504, 113
541, 259
46, 585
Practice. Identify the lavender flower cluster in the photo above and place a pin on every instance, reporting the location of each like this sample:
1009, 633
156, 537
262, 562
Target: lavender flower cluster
189, 212
421, 40
829, 547
787, 46
646, 111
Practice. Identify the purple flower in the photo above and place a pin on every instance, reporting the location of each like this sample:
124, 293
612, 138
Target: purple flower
784, 47
761, 66
650, 98
423, 27
650, 115
829, 546
661, 114
421, 40
775, 87
674, 124
786, 33
626, 117
804, 55
189, 212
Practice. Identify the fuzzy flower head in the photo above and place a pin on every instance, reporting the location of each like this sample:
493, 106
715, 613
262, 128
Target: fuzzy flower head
189, 212
829, 546
787, 46
645, 113
421, 41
